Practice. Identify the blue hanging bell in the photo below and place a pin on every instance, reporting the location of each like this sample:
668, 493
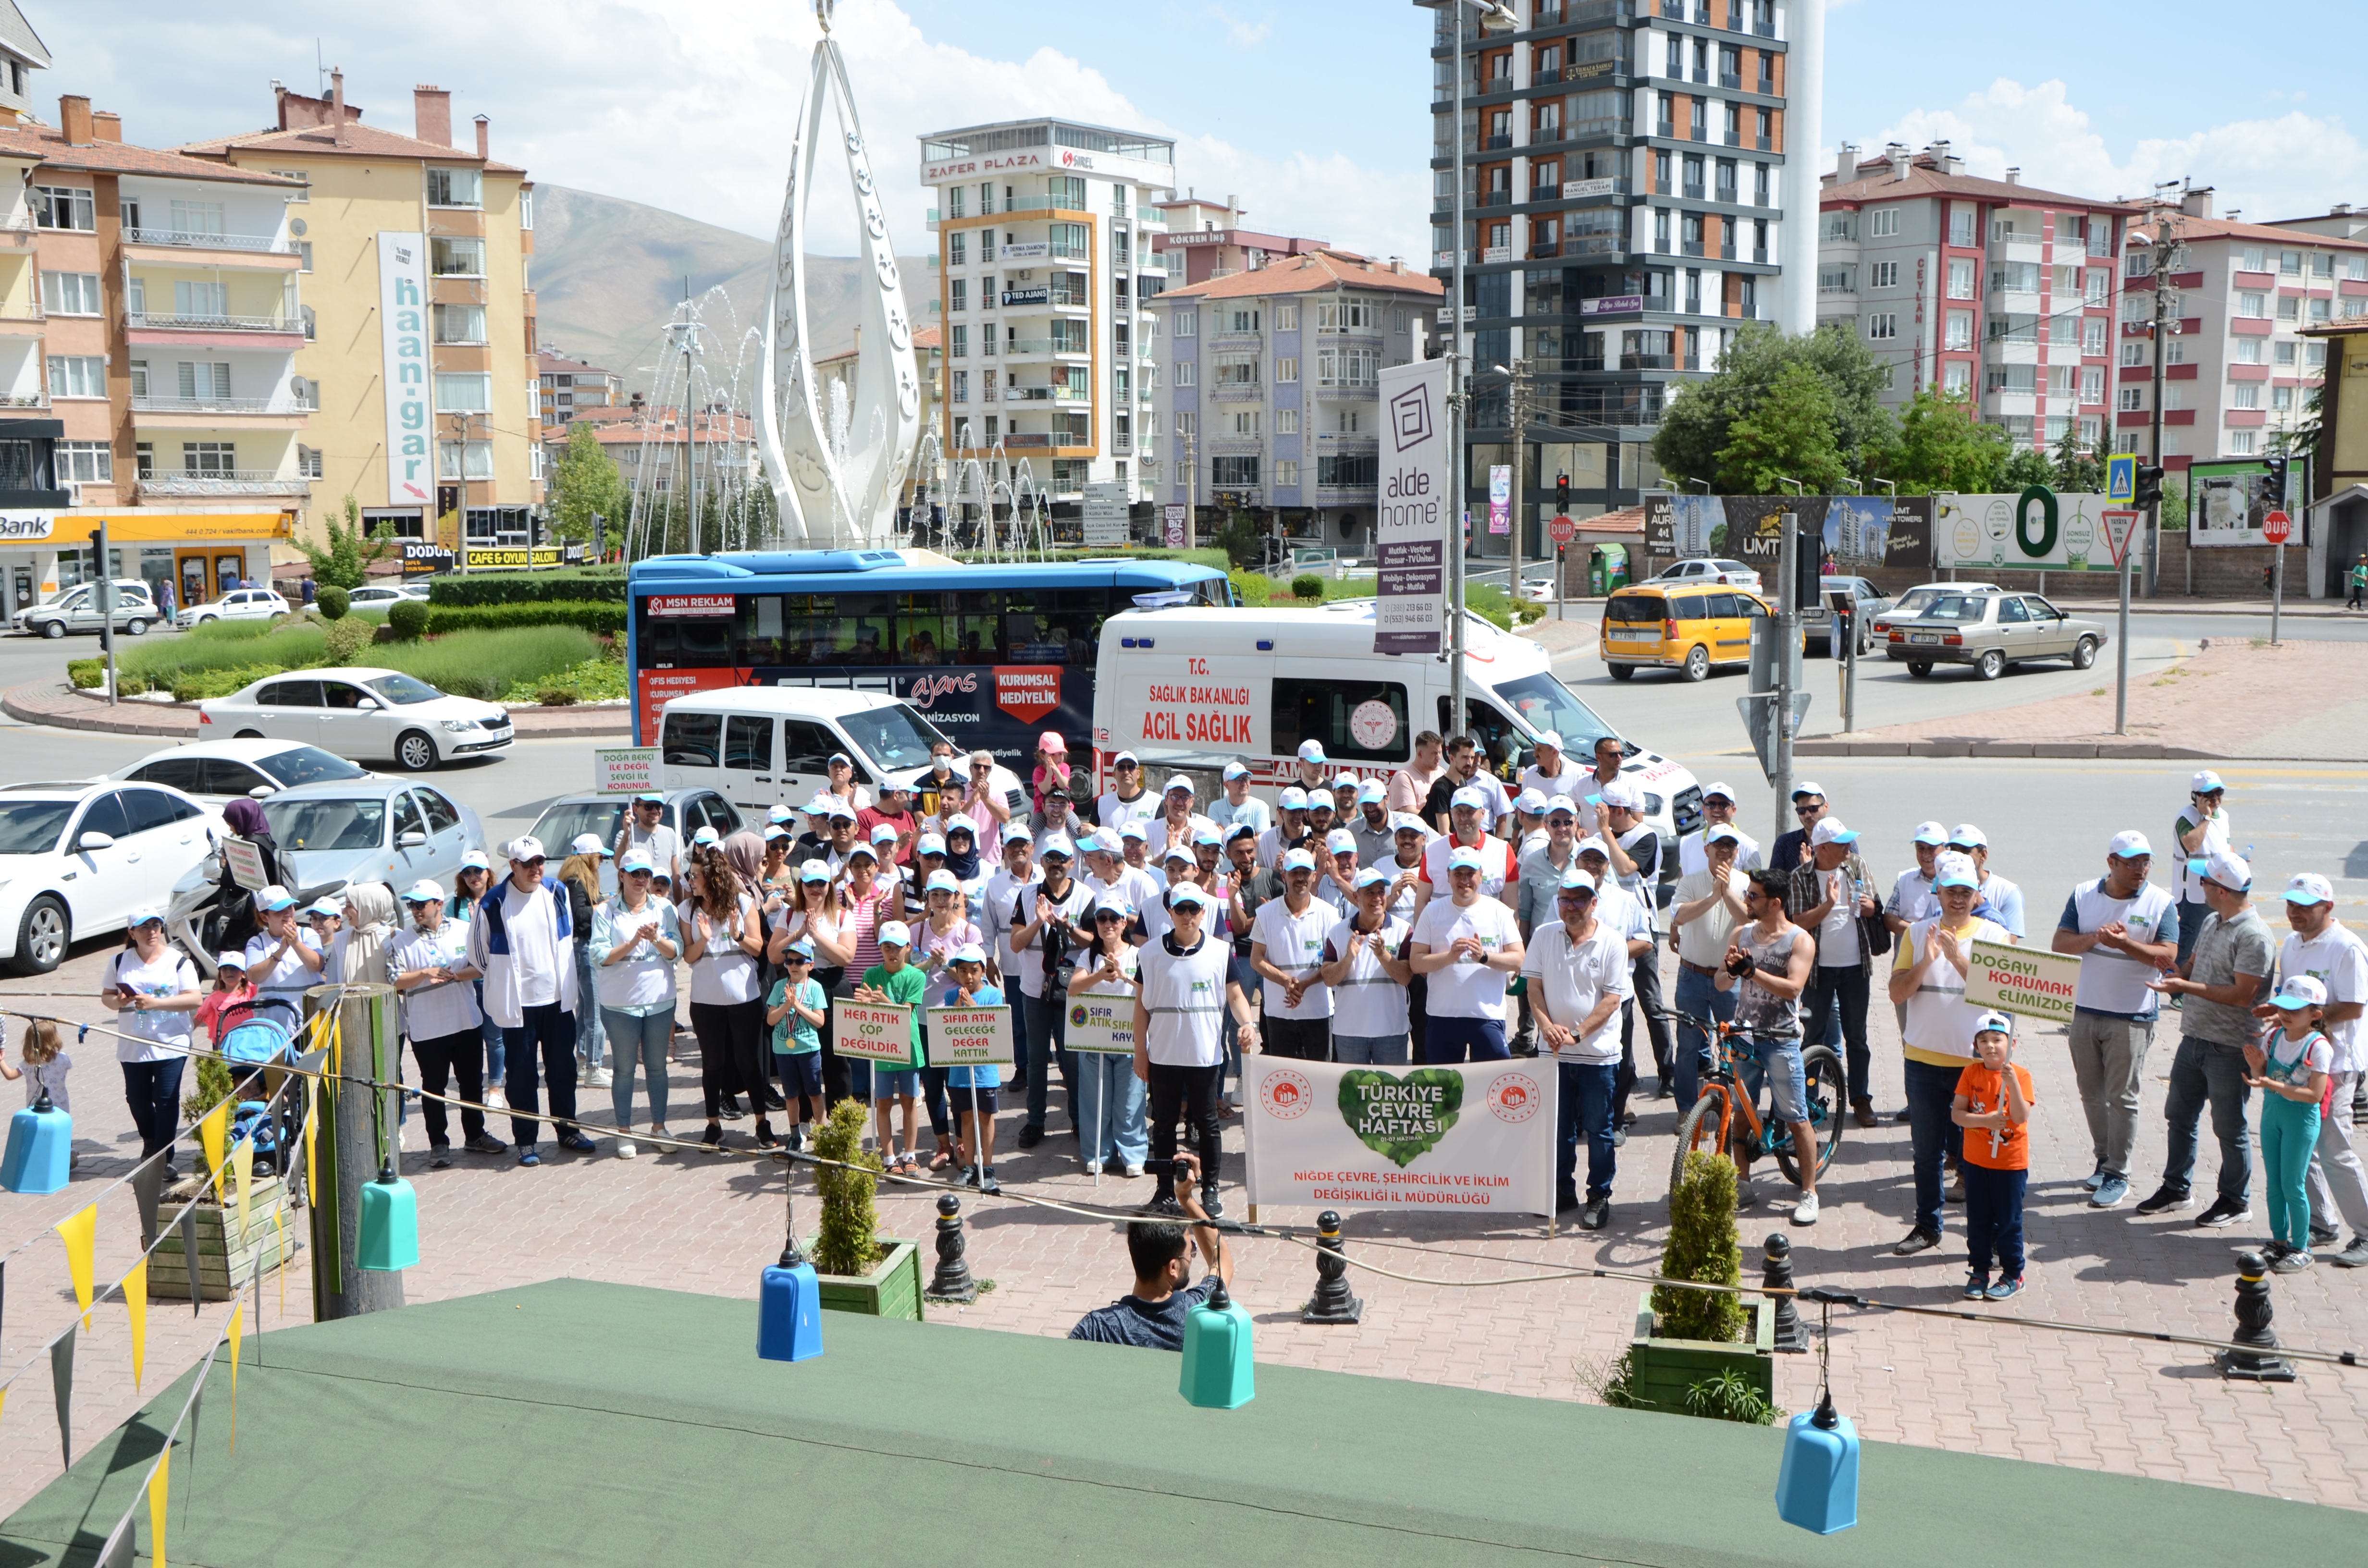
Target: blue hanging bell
1816, 1486
40, 1148
1218, 1371
389, 1233
789, 1312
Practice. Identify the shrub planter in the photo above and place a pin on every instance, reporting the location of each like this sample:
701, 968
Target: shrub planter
227, 1257
1661, 1370
892, 1289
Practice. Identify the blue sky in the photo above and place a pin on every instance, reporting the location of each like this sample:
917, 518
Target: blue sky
1314, 113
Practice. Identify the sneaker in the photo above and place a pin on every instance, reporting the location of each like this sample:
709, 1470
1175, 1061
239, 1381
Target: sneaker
990, 1186
2166, 1200
1031, 1136
1093, 1167
625, 1149
497, 1100
1620, 1138
2294, 1260
765, 1138
527, 1156
2090, 1182
712, 1137
2324, 1235
1977, 1285
2109, 1192
2004, 1289
485, 1143
1745, 1196
797, 1139
969, 1175
576, 1142
440, 1156
598, 1078
1915, 1242
732, 1109
1163, 1206
2224, 1211
1211, 1204
1135, 1170
1804, 1212
2353, 1257
1596, 1215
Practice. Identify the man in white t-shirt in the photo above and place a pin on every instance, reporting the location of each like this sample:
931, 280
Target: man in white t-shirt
1177, 822
1290, 829
1552, 773
1364, 967
2322, 948
1499, 863
1240, 807
1004, 886
1467, 946
1579, 972
1187, 989
1287, 953
645, 830
1703, 914
523, 941
1126, 798
1718, 811
1839, 986
2126, 933
2202, 829
1915, 894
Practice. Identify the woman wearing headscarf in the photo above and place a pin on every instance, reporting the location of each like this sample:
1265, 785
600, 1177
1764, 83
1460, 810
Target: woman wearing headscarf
236, 904
746, 851
580, 874
961, 859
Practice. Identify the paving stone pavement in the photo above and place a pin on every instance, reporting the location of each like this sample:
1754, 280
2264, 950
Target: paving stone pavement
699, 1222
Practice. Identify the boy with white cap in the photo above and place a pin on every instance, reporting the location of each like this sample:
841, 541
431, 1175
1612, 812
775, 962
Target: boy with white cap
2220, 980
2125, 933
2200, 827
2324, 949
1335, 871
893, 982
1287, 953
1992, 1111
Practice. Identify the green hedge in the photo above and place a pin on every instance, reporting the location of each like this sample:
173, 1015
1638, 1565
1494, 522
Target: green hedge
591, 617
606, 584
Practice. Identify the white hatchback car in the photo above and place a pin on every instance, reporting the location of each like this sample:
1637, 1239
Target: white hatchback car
76, 609
239, 604
360, 713
383, 596
76, 859
216, 772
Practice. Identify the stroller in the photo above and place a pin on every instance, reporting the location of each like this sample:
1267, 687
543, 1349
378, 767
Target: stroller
258, 1042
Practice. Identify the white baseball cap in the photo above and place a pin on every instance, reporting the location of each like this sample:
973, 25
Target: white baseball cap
1721, 832
1237, 770
1340, 841
1954, 870
1311, 751
1720, 791
274, 897
2225, 866
1178, 850
969, 952
1829, 830
1132, 828
426, 889
1470, 795
1368, 875
1017, 833
1407, 822
1619, 793
1373, 792
1292, 799
1056, 844
636, 860
2128, 844
1930, 833
1549, 738
1463, 857
1562, 803
705, 836
814, 871
1808, 786
1575, 878
1126, 757
1298, 860
526, 846
1176, 781
2205, 783
942, 881
930, 843
1322, 801
142, 913
2306, 887
895, 934
231, 960
1533, 800
477, 858
1994, 1022
587, 844
1966, 833
2301, 990
884, 833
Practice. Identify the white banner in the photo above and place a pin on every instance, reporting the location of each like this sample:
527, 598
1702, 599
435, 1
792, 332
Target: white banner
1411, 531
403, 348
2035, 531
968, 1037
872, 1032
1101, 1024
1477, 1137
624, 770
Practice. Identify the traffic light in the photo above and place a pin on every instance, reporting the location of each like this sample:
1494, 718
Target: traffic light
2149, 486
1808, 566
1562, 493
97, 556
2273, 482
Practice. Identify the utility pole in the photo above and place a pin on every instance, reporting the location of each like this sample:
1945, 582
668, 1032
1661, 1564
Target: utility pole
1788, 633
1191, 490
1457, 486
2167, 252
1519, 392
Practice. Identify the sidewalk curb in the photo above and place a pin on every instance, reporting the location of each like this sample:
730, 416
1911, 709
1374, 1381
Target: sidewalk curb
25, 714
2113, 748
23, 704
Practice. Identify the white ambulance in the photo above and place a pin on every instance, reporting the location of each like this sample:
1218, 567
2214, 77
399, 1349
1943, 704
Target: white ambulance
1190, 682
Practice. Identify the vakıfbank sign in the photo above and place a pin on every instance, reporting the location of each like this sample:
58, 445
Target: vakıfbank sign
402, 340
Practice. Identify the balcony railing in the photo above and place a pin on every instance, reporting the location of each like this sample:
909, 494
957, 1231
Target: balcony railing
1666, 128
1692, 190
29, 312
217, 324
191, 239
215, 405
233, 482
1048, 346
24, 399
1496, 143
1698, 133
1731, 81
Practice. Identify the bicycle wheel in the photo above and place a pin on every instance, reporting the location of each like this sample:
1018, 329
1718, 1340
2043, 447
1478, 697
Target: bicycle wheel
1698, 1129
1828, 1099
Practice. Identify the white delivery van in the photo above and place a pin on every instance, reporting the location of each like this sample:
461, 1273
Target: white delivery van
1192, 682
760, 746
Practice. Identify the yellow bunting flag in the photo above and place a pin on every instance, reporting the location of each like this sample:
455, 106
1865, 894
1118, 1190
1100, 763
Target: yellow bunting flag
311, 1126
213, 1131
135, 1305
242, 1168
237, 1328
280, 1215
160, 1493
80, 1232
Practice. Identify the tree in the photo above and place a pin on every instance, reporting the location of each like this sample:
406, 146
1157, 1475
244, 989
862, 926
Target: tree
1787, 434
2078, 470
344, 562
1940, 446
1694, 424
2024, 469
584, 481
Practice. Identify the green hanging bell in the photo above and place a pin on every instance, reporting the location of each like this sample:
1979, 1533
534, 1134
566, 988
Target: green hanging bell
390, 1234
1218, 1371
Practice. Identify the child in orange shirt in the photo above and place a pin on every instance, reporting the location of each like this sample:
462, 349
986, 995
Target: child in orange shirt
1992, 1104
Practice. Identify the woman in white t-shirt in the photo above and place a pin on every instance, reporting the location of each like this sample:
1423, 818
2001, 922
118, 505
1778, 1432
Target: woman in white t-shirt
430, 967
1365, 966
1112, 1125
153, 989
724, 937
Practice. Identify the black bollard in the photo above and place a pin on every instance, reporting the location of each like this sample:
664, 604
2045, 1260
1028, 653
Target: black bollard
1776, 1274
2258, 1363
952, 1280
1331, 1302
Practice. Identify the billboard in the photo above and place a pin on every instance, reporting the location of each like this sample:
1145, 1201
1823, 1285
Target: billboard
1410, 529
2226, 502
1861, 533
402, 354
2035, 531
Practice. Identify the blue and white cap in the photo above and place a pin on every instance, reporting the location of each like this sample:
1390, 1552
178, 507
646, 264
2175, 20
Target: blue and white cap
1463, 857
2301, 990
1340, 841
1373, 792
274, 897
1298, 860
1292, 799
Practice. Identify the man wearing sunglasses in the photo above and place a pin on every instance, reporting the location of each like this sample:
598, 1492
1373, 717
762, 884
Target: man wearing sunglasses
645, 829
1791, 850
523, 941
1126, 799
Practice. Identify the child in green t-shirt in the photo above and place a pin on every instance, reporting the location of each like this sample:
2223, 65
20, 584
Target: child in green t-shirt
797, 1009
893, 982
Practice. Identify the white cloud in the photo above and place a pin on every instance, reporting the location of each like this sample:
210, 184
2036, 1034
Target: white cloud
2290, 165
1245, 35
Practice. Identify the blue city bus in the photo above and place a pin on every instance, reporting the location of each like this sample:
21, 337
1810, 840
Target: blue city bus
993, 655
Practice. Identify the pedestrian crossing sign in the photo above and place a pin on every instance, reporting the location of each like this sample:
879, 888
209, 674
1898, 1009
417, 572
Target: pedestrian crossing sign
2121, 477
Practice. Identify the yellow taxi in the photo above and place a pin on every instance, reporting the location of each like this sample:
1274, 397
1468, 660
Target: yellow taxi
1678, 626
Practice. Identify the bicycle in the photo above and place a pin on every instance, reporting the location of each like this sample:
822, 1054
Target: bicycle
1722, 1119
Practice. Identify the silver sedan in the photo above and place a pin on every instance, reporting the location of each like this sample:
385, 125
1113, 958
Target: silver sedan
1989, 631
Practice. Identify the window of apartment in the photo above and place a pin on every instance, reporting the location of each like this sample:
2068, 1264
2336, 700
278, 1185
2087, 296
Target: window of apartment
1837, 280
197, 300
1287, 369
455, 187
465, 460
303, 256
308, 461
2132, 400
2015, 276
202, 380
2100, 282
1184, 323
2067, 280
2253, 305
2290, 263
962, 386
1070, 240
960, 290
1245, 321
2319, 309
2245, 394
2138, 263
1883, 323
2249, 351
2064, 329
451, 255
63, 206
1286, 318
460, 323
1234, 473
2175, 352
464, 391
70, 293
1884, 275
1236, 370
1883, 224
1186, 374
198, 218
2281, 398
2010, 379
1961, 223
86, 462
1247, 423
300, 177
1286, 422
2133, 353
2286, 353
954, 195
1286, 471
2092, 383
77, 375
1960, 330
209, 457
534, 461
959, 349
1066, 190
1187, 421
1957, 377
2240, 443
1960, 277
1346, 368
2092, 335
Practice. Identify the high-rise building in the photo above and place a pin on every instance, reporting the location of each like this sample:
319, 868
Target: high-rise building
419, 333
1624, 167
1044, 260
1989, 289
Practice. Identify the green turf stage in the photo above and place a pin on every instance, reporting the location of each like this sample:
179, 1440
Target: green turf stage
587, 1423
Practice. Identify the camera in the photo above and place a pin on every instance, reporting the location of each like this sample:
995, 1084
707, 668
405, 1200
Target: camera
1163, 1168
1739, 966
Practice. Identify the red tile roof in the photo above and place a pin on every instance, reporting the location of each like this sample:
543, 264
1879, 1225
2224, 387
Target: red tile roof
2193, 228
1313, 273
51, 147
1875, 184
362, 141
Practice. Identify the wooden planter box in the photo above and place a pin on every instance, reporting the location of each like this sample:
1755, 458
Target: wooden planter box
1661, 1370
227, 1257
892, 1289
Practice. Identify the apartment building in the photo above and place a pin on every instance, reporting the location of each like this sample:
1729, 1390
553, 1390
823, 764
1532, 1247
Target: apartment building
2239, 370
150, 318
1043, 261
570, 386
1205, 239
1624, 167
1268, 394
928, 359
1989, 289
419, 333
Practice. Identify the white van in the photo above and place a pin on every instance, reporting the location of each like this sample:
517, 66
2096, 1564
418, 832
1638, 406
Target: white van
760, 746
1191, 682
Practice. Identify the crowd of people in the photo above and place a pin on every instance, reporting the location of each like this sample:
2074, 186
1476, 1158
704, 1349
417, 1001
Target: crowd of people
1441, 914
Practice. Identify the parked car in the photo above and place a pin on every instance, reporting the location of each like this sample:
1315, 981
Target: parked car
239, 604
76, 609
1712, 569
217, 771
686, 812
381, 595
1692, 626
1919, 599
1991, 631
360, 713
1817, 621
76, 857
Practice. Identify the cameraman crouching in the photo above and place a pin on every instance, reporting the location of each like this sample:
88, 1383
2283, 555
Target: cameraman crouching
1152, 1314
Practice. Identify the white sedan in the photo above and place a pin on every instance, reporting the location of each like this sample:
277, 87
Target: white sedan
360, 713
383, 596
215, 772
239, 604
76, 859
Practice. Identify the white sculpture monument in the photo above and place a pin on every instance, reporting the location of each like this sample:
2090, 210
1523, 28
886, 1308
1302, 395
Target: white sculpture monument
835, 471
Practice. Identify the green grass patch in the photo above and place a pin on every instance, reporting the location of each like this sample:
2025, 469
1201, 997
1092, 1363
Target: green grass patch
1490, 603
225, 645
487, 664
229, 656
595, 680
591, 615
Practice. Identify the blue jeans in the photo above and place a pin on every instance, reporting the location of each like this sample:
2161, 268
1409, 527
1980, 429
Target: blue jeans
1697, 998
590, 1042
1582, 1108
1838, 996
2191, 925
153, 1090
550, 1032
2206, 1072
1047, 1027
637, 1039
1994, 1220
496, 1049
1112, 1122
1936, 1141
1371, 1050
1459, 1040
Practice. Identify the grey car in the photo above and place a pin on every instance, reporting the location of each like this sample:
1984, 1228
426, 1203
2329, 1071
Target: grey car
1990, 630
686, 812
76, 609
1817, 621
